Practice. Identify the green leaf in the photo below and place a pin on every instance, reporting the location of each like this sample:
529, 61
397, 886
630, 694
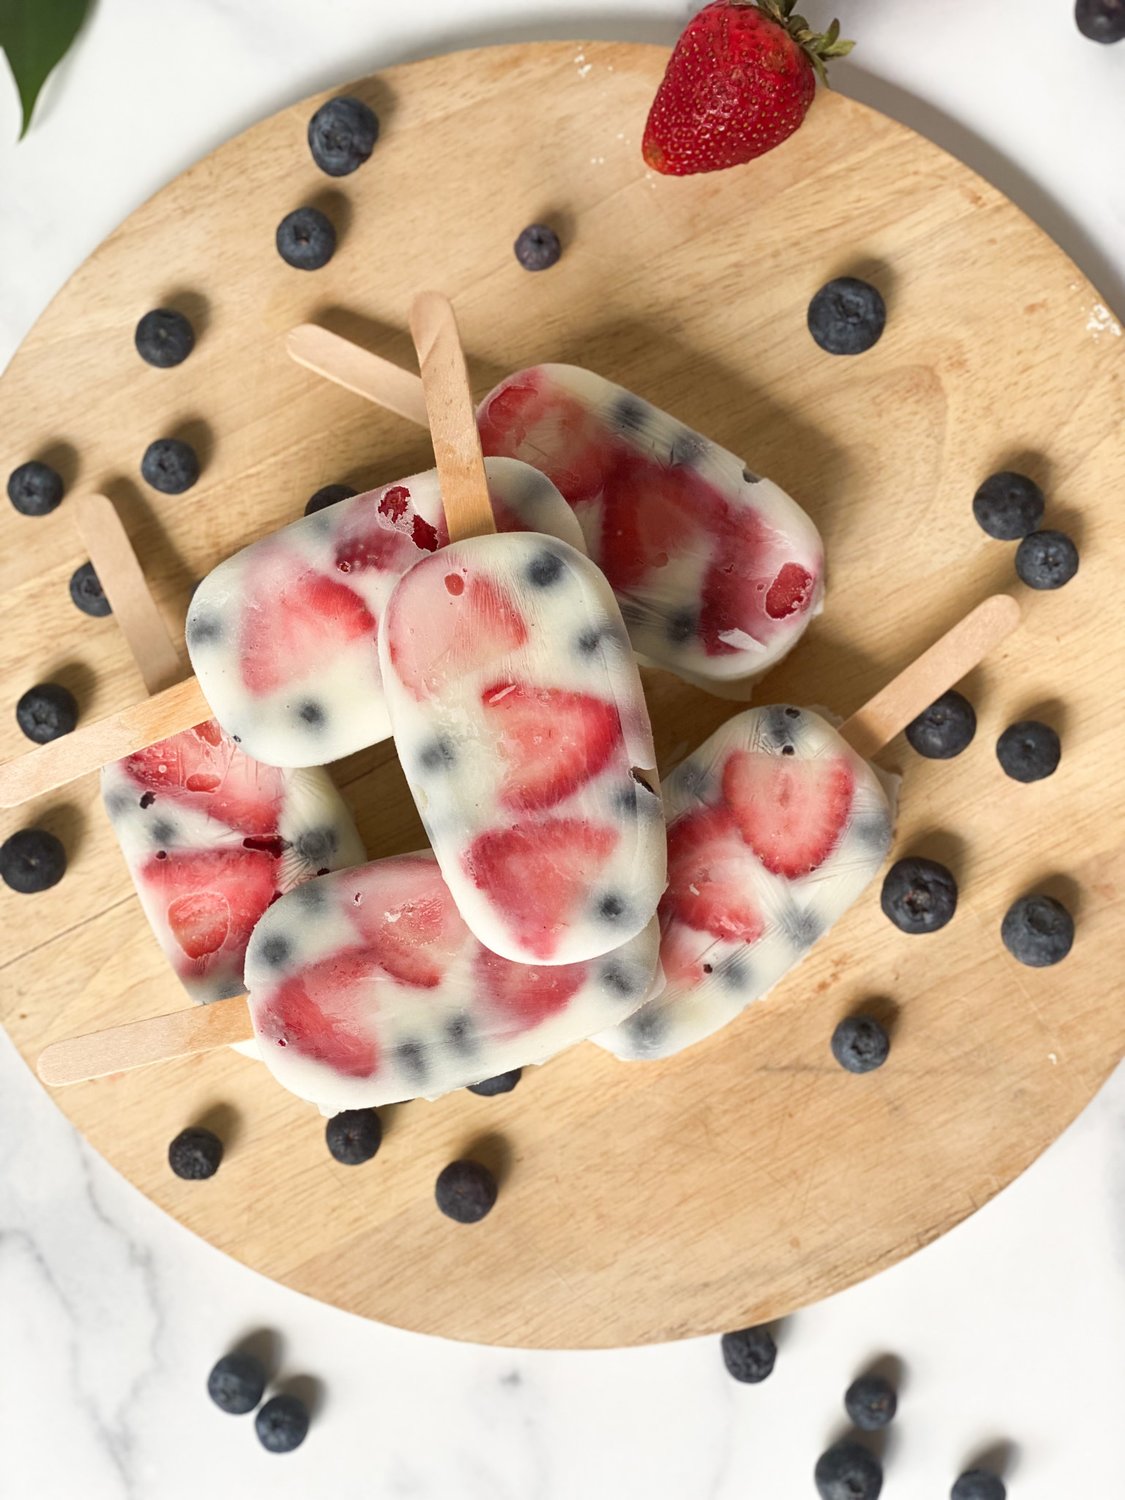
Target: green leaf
35, 35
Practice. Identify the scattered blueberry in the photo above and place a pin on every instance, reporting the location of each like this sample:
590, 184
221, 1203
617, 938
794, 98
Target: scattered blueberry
847, 316
170, 466
35, 488
354, 1136
164, 338
32, 860
1028, 750
749, 1354
342, 135
1046, 560
859, 1044
465, 1191
236, 1383
870, 1402
86, 591
331, 494
1038, 931
1100, 21
306, 239
847, 1471
538, 247
282, 1424
945, 728
919, 895
46, 711
978, 1484
1008, 505
195, 1153
503, 1083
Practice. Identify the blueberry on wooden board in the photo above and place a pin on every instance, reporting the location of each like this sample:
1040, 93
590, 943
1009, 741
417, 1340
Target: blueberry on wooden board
847, 316
1028, 750
330, 494
35, 488
32, 860
1038, 931
847, 1471
282, 1424
749, 1354
859, 1044
503, 1083
1046, 560
945, 728
46, 711
354, 1136
236, 1383
919, 895
164, 338
170, 465
870, 1402
465, 1191
87, 593
1008, 506
195, 1154
537, 247
342, 135
306, 239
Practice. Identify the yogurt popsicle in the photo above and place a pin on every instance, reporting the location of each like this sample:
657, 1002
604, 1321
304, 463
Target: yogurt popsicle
366, 987
211, 838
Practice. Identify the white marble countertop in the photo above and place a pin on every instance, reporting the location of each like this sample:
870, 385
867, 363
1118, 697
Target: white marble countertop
1011, 1329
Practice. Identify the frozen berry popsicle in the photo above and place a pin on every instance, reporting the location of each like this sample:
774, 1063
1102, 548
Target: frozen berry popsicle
282, 634
211, 838
366, 987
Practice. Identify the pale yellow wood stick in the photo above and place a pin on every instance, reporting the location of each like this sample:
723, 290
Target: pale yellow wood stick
205, 1027
358, 370
453, 425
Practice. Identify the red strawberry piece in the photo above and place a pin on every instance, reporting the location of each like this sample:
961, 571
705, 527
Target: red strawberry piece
551, 741
791, 812
710, 878
745, 592
212, 898
538, 875
683, 950
412, 925
527, 994
382, 530
294, 621
205, 769
740, 80
790, 593
530, 417
320, 1011
445, 620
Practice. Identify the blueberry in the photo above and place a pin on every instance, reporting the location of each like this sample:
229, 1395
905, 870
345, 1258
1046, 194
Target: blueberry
465, 1191
438, 754
1100, 21
617, 977
342, 135
86, 591
847, 316
870, 1402
749, 1354
1028, 750
236, 1383
35, 488
1038, 931
1008, 505
32, 860
164, 338
306, 239
919, 895
195, 1153
275, 950
282, 1424
411, 1058
978, 1484
503, 1083
681, 626
331, 494
202, 630
847, 1471
859, 1044
311, 713
46, 711
544, 569
1046, 560
170, 466
538, 247
945, 728
612, 907
461, 1034
354, 1136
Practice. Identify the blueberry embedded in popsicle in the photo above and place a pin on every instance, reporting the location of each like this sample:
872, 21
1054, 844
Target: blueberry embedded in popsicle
848, 1471
847, 316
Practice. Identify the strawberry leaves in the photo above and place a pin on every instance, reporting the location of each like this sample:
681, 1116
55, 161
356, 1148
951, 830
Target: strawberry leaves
35, 35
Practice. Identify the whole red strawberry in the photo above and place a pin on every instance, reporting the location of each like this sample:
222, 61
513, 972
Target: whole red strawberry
739, 82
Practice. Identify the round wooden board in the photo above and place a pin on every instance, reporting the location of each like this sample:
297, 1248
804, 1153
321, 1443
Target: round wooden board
751, 1175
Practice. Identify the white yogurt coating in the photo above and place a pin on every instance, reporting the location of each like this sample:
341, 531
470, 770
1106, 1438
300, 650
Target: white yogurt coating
366, 988
774, 783
282, 635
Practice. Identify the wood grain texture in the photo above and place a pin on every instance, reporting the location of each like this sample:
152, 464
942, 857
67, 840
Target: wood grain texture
139, 1044
750, 1175
360, 371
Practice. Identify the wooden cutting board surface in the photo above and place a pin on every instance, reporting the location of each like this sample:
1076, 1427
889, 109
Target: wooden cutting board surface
750, 1175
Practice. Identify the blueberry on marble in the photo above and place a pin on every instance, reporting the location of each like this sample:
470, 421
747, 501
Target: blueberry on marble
87, 593
503, 1083
354, 1136
1008, 505
236, 1383
919, 895
860, 1045
35, 488
848, 1471
945, 728
195, 1153
871, 1402
46, 711
465, 1191
342, 135
282, 1424
847, 316
1028, 750
32, 860
329, 494
1046, 560
170, 465
1038, 931
749, 1354
306, 239
544, 569
164, 338
1100, 21
538, 247
978, 1484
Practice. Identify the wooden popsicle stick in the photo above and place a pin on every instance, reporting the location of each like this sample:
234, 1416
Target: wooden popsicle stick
948, 660
453, 427
358, 370
120, 576
135, 1044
